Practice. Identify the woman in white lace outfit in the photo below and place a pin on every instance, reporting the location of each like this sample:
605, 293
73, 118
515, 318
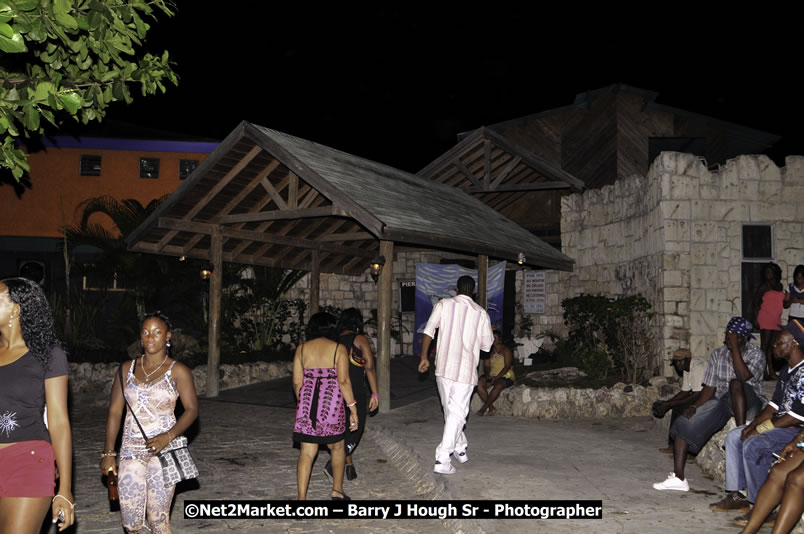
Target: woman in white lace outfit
152, 383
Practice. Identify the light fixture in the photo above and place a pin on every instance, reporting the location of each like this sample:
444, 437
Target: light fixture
520, 258
182, 258
206, 271
376, 267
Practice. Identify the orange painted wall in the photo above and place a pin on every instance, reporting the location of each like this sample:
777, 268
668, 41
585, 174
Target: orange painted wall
58, 187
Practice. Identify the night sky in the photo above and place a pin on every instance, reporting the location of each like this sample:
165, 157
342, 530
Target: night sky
396, 85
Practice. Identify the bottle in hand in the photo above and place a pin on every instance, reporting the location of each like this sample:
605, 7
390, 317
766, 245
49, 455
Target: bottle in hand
111, 484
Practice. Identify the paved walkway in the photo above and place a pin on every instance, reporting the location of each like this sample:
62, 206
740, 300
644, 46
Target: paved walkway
244, 451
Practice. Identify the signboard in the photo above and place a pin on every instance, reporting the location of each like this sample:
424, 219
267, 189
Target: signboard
535, 292
407, 295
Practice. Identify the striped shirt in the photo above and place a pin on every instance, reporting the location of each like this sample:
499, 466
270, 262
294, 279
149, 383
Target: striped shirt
464, 329
720, 371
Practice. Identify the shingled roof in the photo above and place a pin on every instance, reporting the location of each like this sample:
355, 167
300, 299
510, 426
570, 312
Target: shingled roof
277, 197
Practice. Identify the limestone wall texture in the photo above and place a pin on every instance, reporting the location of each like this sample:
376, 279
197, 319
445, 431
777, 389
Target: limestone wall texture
676, 238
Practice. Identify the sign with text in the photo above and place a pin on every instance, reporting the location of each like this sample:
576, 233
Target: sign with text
535, 292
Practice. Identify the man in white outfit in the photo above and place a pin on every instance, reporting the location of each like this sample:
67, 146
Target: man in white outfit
464, 329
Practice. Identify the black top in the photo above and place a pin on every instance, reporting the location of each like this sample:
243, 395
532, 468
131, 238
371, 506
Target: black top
22, 396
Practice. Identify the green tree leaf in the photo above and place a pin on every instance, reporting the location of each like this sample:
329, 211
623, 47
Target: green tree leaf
13, 44
71, 102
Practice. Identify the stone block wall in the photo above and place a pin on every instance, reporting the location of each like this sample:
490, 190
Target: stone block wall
676, 238
361, 292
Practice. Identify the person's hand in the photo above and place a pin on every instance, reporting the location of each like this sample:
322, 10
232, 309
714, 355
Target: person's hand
63, 509
731, 342
748, 431
659, 409
424, 365
689, 411
107, 464
353, 420
374, 403
790, 448
158, 442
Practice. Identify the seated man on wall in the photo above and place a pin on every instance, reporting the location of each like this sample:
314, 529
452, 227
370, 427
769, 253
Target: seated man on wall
692, 373
749, 449
732, 387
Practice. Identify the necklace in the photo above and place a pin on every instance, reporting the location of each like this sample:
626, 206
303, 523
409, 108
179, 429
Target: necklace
146, 373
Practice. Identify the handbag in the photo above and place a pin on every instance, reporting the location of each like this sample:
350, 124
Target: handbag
177, 464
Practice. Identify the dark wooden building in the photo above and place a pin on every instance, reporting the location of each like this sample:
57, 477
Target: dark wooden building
522, 167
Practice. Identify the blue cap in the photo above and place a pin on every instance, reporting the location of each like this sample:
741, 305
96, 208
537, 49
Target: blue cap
741, 327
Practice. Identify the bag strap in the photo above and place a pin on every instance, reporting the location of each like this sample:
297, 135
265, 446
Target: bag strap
120, 373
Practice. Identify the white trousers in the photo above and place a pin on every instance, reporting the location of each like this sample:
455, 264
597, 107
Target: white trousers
455, 397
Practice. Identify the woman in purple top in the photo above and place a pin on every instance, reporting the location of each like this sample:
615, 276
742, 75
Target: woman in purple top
33, 372
321, 383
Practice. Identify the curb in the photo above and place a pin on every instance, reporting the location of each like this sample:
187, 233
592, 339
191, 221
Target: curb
428, 485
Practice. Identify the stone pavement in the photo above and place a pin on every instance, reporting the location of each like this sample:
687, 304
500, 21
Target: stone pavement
244, 451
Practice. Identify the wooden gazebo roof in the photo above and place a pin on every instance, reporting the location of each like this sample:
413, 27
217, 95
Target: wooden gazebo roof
277, 197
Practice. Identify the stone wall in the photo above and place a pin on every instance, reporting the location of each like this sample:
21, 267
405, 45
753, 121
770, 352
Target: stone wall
676, 238
98, 377
361, 291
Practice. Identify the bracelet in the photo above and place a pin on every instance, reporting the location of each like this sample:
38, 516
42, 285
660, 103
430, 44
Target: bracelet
765, 426
351, 404
72, 504
375, 395
106, 454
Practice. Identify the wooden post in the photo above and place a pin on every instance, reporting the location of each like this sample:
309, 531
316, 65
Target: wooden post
315, 281
483, 281
215, 289
384, 299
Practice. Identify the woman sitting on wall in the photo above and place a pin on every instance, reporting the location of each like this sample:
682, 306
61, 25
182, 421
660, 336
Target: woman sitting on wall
498, 376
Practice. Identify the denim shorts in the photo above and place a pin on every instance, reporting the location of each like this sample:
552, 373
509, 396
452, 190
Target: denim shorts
711, 417
27, 469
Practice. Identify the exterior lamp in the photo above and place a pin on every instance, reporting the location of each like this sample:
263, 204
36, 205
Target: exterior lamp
520, 258
376, 267
206, 271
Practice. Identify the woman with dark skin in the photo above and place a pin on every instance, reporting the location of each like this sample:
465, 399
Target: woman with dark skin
361, 368
767, 305
152, 388
321, 383
794, 295
33, 369
498, 375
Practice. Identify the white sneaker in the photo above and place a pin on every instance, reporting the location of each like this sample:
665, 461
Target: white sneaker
444, 469
461, 457
672, 483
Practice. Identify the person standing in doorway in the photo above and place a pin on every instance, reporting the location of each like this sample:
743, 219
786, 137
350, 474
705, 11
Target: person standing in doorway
768, 303
464, 329
794, 296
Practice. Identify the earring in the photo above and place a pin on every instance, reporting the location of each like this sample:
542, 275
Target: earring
10, 321
168, 343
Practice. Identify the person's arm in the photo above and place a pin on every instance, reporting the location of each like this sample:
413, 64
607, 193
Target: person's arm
756, 302
189, 401
424, 361
115, 413
58, 422
298, 372
751, 428
787, 300
740, 368
362, 343
342, 365
707, 392
487, 368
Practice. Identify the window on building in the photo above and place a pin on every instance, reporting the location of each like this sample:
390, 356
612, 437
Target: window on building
186, 167
149, 167
94, 281
758, 249
90, 165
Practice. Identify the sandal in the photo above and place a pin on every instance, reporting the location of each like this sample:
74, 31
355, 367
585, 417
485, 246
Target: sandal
343, 497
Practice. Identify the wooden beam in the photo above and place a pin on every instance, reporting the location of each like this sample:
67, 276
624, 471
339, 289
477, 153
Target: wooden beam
215, 294
257, 180
384, 299
505, 172
507, 188
347, 236
315, 281
276, 215
455, 152
483, 281
293, 191
275, 196
486, 162
466, 172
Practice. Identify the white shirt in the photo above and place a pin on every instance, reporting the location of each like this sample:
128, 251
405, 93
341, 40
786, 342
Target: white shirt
692, 380
464, 329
